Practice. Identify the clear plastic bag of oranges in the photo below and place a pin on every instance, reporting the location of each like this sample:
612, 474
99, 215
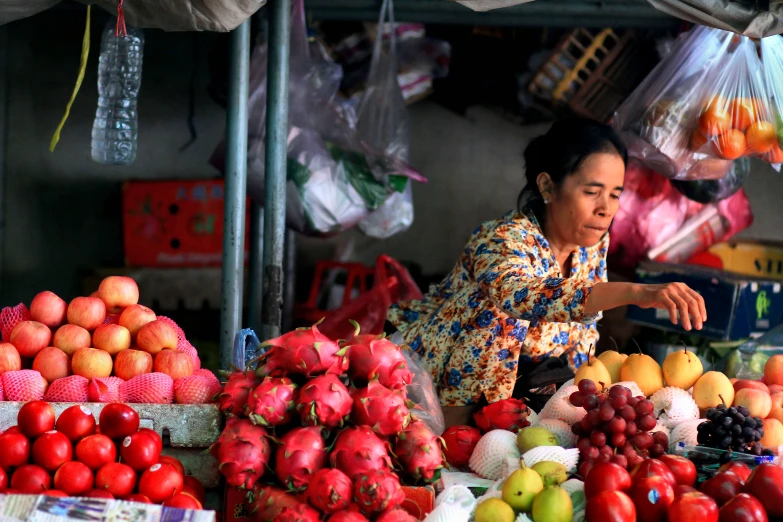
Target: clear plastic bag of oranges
772, 58
735, 118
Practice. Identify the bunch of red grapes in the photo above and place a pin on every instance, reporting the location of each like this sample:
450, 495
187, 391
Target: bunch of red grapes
616, 428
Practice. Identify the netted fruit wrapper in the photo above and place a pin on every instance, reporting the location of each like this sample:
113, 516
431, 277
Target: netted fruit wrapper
673, 406
491, 452
567, 457
561, 430
685, 433
558, 407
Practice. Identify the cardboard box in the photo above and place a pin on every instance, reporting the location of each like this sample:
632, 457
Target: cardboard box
738, 307
174, 223
753, 258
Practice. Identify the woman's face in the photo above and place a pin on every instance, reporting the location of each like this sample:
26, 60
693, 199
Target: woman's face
581, 209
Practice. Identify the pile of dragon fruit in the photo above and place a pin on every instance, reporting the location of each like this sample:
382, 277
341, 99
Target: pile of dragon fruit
330, 426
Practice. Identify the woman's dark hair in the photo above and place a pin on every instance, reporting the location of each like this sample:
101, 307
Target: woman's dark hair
562, 150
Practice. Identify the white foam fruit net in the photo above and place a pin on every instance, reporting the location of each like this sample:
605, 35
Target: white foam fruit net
567, 457
673, 406
491, 452
561, 430
685, 432
454, 504
558, 407
659, 426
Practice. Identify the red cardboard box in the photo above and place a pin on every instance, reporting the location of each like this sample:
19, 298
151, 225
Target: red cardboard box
174, 223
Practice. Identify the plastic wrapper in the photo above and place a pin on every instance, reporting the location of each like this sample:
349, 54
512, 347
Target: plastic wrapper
705, 190
772, 58
246, 349
747, 361
383, 123
424, 395
754, 19
708, 460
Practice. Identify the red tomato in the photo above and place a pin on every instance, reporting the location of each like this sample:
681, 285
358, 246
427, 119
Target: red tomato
14, 450
195, 488
138, 497
692, 507
13, 429
139, 451
55, 493
160, 482
168, 459
74, 478
684, 470
116, 478
117, 420
35, 418
182, 501
3, 479
51, 450
96, 451
606, 476
155, 436
76, 423
610, 506
98, 493
30, 480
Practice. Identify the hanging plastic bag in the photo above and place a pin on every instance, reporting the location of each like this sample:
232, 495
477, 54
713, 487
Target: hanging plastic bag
772, 58
383, 123
705, 190
658, 118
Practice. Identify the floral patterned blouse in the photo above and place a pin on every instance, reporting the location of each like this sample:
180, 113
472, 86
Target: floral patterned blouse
506, 298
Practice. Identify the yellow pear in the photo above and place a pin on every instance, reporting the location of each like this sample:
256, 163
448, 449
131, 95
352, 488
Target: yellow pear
682, 369
613, 361
644, 371
595, 371
712, 389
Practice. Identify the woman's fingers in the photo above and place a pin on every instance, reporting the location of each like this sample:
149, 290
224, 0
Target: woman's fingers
682, 306
669, 305
702, 306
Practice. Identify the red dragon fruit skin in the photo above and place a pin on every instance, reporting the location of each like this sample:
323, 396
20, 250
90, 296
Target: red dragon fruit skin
324, 401
506, 414
378, 491
459, 442
358, 450
329, 491
266, 502
298, 513
418, 450
376, 358
383, 410
396, 515
301, 453
235, 393
305, 351
242, 452
348, 516
272, 402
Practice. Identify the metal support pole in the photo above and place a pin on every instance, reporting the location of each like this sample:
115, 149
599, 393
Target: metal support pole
4, 102
275, 166
289, 286
235, 193
256, 265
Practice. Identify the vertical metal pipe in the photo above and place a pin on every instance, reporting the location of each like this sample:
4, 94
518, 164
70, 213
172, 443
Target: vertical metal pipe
4, 102
235, 193
275, 166
289, 286
256, 266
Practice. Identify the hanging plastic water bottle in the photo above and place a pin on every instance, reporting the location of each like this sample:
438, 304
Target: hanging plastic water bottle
115, 130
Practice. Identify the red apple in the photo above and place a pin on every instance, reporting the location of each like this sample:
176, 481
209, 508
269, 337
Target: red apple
70, 338
693, 507
47, 308
773, 434
91, 363
723, 487
9, 358
653, 468
130, 363
743, 508
775, 388
611, 506
683, 469
606, 476
765, 484
52, 363
87, 312
174, 364
776, 411
681, 490
652, 497
773, 370
758, 402
747, 383
118, 292
30, 337
111, 338
136, 316
740, 468
156, 336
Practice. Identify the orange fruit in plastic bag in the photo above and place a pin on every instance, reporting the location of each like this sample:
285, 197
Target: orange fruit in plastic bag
697, 140
761, 137
714, 120
730, 145
775, 155
743, 112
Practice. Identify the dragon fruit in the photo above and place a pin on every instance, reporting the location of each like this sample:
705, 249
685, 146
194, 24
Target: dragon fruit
396, 515
305, 351
377, 492
329, 490
272, 402
298, 513
242, 452
380, 408
419, 452
236, 391
506, 414
301, 453
459, 442
325, 401
266, 502
376, 358
358, 450
348, 516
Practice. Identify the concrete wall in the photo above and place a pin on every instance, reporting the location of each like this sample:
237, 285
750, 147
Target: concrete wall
63, 210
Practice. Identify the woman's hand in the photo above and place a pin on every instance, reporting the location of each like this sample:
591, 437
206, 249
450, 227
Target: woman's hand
676, 298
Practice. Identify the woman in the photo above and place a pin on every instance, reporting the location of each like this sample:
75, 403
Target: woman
532, 285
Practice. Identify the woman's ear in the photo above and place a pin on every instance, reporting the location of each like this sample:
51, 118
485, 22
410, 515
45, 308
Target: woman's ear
545, 186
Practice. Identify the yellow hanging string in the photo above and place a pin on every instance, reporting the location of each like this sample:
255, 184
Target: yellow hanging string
79, 79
